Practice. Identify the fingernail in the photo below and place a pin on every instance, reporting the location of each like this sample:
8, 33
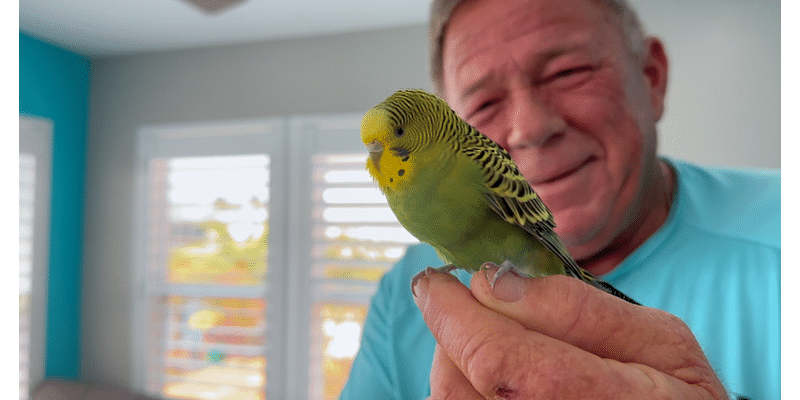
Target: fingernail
510, 287
419, 283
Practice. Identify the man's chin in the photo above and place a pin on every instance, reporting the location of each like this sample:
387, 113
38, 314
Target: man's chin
579, 233
576, 189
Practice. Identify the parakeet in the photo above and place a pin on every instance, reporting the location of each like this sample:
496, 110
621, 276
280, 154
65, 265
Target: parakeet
457, 190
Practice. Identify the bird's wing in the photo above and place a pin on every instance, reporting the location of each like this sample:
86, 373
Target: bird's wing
510, 196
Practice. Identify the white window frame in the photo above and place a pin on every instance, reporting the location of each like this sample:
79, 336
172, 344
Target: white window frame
36, 137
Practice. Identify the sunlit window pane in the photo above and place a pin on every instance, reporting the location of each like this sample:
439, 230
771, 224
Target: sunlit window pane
214, 347
337, 329
208, 233
214, 218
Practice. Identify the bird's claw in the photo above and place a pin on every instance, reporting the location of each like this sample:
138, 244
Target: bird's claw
502, 269
426, 272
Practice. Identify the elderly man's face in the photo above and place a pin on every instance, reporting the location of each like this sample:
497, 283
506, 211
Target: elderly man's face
552, 82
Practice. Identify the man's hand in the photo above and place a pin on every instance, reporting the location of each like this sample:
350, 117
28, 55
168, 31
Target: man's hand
556, 338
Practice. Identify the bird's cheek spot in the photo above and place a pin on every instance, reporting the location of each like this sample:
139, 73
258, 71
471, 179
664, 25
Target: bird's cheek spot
391, 179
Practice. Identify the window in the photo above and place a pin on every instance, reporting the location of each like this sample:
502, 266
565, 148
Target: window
208, 257
35, 149
260, 252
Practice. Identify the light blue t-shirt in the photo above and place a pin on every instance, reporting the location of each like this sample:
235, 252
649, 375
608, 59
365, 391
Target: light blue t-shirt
715, 263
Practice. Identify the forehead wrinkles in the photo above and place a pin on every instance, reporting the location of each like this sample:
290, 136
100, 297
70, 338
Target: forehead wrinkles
503, 28
466, 44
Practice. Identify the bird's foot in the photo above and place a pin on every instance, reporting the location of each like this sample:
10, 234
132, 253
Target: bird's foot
502, 269
444, 269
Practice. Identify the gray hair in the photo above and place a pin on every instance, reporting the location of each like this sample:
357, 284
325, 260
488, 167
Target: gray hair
442, 10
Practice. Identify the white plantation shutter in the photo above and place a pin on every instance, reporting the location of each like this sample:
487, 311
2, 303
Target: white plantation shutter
353, 239
27, 198
217, 322
210, 265
35, 154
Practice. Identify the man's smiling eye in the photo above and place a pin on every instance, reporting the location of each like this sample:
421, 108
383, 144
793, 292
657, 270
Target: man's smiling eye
484, 110
486, 104
568, 72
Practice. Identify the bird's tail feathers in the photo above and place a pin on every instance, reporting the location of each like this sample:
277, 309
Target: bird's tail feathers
587, 277
551, 241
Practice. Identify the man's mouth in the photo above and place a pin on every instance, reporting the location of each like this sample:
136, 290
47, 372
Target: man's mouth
561, 175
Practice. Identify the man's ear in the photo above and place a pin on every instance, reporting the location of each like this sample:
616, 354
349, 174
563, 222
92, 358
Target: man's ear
655, 68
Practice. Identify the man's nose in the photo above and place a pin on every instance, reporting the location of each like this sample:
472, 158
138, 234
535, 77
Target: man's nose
534, 122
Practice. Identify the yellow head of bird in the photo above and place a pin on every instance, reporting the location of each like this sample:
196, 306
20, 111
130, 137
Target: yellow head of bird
380, 134
396, 129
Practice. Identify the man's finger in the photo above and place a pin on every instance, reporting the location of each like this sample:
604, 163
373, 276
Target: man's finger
597, 322
467, 332
502, 358
447, 381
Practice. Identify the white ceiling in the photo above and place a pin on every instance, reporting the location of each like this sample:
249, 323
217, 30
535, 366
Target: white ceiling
111, 27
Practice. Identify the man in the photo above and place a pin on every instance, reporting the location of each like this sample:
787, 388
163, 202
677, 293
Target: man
573, 91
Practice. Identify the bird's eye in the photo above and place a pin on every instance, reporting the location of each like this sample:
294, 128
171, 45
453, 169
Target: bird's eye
399, 132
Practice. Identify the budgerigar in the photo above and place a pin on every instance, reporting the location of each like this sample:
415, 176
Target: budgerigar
457, 190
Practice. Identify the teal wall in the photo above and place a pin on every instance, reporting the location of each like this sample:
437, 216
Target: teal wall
54, 84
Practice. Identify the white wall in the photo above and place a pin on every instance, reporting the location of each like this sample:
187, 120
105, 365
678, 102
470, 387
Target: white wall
723, 108
724, 102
